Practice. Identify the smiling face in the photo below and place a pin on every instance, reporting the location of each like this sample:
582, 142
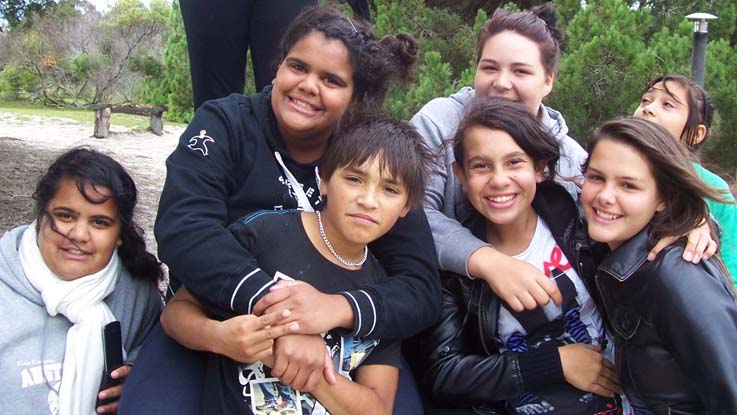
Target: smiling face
312, 90
510, 66
619, 194
364, 203
660, 107
498, 176
86, 234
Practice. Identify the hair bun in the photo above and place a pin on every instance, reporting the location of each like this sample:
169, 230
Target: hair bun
546, 12
405, 50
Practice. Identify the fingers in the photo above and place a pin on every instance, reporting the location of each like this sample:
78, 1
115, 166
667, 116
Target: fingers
662, 243
273, 297
538, 292
516, 305
121, 372
328, 369
711, 250
111, 392
311, 382
551, 291
275, 332
698, 244
274, 317
110, 408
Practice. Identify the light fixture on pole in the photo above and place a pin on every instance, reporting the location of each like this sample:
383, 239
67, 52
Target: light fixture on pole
700, 38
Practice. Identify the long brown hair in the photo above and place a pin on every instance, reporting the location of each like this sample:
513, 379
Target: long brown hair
679, 186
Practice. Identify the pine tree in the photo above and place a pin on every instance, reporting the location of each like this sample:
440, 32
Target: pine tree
177, 83
605, 67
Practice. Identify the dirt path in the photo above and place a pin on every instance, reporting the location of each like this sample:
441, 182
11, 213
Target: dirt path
29, 144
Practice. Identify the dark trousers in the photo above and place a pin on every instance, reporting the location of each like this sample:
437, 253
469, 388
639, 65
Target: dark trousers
220, 32
168, 378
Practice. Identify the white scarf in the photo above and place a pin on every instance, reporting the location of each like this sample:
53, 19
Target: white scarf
80, 301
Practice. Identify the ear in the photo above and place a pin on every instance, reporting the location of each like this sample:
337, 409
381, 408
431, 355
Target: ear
660, 207
700, 134
323, 187
548, 87
460, 175
119, 243
540, 171
404, 212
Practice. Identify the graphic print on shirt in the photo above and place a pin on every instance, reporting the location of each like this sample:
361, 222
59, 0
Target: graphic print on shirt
576, 320
47, 375
199, 142
313, 194
265, 395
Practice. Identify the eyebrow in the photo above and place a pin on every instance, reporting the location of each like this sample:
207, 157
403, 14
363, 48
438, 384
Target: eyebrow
362, 172
339, 78
666, 92
488, 60
632, 178
64, 209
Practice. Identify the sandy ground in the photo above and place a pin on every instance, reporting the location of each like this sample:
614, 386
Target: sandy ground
29, 144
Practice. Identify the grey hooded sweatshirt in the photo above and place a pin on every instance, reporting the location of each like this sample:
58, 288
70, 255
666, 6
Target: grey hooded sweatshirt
444, 204
33, 342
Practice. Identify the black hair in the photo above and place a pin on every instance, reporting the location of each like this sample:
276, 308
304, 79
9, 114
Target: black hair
515, 119
678, 184
375, 62
539, 24
91, 168
700, 107
401, 150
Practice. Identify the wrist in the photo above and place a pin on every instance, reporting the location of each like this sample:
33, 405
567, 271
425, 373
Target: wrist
213, 338
343, 315
479, 260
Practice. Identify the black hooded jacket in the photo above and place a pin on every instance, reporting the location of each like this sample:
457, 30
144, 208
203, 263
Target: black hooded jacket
224, 168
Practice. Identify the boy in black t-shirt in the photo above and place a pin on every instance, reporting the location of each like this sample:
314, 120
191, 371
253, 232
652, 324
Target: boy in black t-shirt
372, 174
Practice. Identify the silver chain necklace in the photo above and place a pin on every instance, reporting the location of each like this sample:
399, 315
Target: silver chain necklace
332, 251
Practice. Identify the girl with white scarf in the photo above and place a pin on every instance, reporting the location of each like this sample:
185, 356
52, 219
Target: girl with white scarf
80, 265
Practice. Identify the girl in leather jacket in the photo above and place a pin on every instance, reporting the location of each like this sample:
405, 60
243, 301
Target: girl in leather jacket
674, 322
553, 360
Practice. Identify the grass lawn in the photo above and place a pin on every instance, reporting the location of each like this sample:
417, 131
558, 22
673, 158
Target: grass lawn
22, 109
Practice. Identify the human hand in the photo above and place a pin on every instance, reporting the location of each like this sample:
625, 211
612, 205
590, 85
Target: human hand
113, 392
585, 368
314, 311
517, 283
301, 360
700, 245
248, 338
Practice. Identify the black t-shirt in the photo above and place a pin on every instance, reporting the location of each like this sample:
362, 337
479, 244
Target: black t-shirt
279, 243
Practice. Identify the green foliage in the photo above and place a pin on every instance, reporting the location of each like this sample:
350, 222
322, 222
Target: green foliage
16, 82
177, 85
84, 64
722, 86
447, 50
612, 49
18, 12
605, 68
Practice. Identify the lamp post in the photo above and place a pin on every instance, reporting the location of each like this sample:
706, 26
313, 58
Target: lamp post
700, 37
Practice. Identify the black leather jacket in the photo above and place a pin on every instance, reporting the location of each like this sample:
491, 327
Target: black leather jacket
675, 329
462, 365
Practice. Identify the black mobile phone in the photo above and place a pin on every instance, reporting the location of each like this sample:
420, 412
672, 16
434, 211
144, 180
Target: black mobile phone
112, 346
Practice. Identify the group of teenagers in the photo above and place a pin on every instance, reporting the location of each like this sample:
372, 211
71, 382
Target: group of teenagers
327, 258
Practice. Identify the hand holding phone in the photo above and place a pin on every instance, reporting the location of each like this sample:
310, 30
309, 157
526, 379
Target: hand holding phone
112, 345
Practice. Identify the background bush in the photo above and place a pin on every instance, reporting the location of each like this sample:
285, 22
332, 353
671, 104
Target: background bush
65, 53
